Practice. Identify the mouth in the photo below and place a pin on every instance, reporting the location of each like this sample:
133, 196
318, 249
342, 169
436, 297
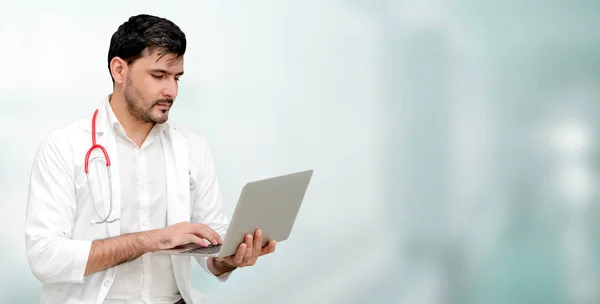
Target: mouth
163, 106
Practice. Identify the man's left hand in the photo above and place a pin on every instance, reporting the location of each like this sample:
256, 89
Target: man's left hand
246, 255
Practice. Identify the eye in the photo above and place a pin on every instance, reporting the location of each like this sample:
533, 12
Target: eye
157, 76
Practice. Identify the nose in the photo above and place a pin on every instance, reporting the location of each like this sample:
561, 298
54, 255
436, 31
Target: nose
170, 89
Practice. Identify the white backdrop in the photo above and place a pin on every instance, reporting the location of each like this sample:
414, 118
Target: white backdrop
453, 142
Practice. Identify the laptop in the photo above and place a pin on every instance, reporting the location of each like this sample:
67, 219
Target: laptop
270, 205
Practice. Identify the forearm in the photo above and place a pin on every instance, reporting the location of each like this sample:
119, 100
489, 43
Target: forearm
108, 253
218, 268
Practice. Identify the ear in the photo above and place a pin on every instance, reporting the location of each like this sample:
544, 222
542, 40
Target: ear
118, 70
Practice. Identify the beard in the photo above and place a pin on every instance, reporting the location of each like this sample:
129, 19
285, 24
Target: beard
135, 101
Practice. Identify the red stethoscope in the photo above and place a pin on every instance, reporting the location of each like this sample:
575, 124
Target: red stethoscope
87, 171
107, 159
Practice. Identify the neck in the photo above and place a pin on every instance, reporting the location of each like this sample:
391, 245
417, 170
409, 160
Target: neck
135, 129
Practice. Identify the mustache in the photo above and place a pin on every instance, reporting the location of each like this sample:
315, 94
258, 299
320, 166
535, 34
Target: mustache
167, 101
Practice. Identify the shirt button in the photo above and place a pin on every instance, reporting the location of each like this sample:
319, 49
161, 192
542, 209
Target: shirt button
106, 283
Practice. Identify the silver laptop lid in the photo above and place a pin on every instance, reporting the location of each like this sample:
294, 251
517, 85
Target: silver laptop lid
270, 205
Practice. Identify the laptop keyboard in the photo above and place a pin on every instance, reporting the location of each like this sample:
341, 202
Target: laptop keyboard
204, 250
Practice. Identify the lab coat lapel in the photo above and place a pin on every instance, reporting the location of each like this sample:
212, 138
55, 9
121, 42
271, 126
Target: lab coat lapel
175, 151
106, 138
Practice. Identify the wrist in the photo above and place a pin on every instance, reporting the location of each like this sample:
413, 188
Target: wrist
146, 243
222, 266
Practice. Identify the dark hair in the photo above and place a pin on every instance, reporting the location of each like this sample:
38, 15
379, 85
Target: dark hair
145, 32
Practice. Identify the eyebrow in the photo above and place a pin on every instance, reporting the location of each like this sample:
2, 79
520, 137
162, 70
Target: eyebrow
165, 72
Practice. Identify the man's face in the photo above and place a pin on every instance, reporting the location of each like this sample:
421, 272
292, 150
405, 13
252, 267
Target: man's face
151, 86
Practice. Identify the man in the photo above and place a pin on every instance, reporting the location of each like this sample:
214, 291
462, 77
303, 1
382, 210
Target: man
91, 235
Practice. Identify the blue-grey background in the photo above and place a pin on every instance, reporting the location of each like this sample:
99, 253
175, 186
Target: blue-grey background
454, 143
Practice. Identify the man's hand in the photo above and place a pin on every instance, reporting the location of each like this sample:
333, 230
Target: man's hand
111, 252
246, 255
181, 234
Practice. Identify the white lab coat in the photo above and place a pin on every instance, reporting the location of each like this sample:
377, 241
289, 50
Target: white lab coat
58, 232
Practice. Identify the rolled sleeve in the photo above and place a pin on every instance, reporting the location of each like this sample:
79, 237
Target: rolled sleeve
51, 208
82, 253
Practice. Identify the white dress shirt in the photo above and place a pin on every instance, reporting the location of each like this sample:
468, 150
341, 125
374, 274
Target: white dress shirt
149, 278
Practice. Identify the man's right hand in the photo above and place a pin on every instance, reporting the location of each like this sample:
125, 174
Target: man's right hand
181, 234
110, 252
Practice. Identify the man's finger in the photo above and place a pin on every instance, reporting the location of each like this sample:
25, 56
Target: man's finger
257, 243
239, 255
249, 243
215, 237
206, 232
270, 248
190, 238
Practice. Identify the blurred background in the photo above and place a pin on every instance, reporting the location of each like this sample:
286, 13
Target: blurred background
454, 143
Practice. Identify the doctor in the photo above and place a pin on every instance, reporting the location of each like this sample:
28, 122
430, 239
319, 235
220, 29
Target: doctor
109, 190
